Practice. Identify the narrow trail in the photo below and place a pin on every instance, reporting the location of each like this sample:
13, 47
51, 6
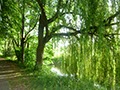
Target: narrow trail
8, 71
4, 85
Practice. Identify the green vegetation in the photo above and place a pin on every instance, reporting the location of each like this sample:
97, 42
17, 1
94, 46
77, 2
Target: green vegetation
79, 37
49, 81
46, 80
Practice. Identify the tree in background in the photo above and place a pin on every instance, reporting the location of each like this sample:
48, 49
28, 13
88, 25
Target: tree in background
17, 24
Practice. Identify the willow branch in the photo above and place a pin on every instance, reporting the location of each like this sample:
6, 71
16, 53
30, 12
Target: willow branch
82, 31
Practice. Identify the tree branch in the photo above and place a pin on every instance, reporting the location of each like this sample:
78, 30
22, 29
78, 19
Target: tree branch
112, 34
82, 31
43, 17
43, 14
78, 32
55, 16
109, 19
67, 34
30, 30
114, 23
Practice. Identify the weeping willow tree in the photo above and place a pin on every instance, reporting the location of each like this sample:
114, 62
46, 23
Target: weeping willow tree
94, 51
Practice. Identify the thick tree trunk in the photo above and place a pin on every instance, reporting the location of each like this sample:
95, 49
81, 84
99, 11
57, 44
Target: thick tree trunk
42, 37
39, 56
41, 44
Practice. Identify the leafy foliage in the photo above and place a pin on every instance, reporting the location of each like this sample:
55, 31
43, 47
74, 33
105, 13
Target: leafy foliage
89, 27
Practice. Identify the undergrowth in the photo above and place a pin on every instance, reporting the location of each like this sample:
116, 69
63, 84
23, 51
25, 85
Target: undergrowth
46, 80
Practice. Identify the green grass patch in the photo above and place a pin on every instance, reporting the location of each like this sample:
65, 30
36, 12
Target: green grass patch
47, 80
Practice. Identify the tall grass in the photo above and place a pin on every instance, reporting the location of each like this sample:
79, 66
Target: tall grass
47, 80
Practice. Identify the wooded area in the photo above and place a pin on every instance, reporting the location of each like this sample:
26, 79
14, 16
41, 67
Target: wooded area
79, 37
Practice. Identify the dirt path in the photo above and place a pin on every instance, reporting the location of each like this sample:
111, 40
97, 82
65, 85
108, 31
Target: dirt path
4, 85
9, 71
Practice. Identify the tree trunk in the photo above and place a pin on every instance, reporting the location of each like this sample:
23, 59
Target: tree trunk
42, 37
39, 56
22, 50
22, 34
41, 44
17, 53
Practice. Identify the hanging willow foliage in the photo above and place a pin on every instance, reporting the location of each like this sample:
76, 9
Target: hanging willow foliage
95, 53
93, 58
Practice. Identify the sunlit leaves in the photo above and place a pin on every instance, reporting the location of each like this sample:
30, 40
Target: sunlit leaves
93, 56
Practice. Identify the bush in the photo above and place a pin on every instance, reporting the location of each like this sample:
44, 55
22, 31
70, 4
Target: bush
29, 58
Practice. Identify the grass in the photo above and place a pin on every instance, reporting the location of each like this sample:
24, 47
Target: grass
46, 80
49, 81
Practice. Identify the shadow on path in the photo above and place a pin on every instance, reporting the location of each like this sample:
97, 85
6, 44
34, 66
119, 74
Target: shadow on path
8, 71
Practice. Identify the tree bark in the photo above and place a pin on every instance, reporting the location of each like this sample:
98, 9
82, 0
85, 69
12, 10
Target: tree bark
22, 34
41, 44
22, 50
42, 37
39, 56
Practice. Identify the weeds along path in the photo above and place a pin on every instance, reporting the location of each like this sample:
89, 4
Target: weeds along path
9, 71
